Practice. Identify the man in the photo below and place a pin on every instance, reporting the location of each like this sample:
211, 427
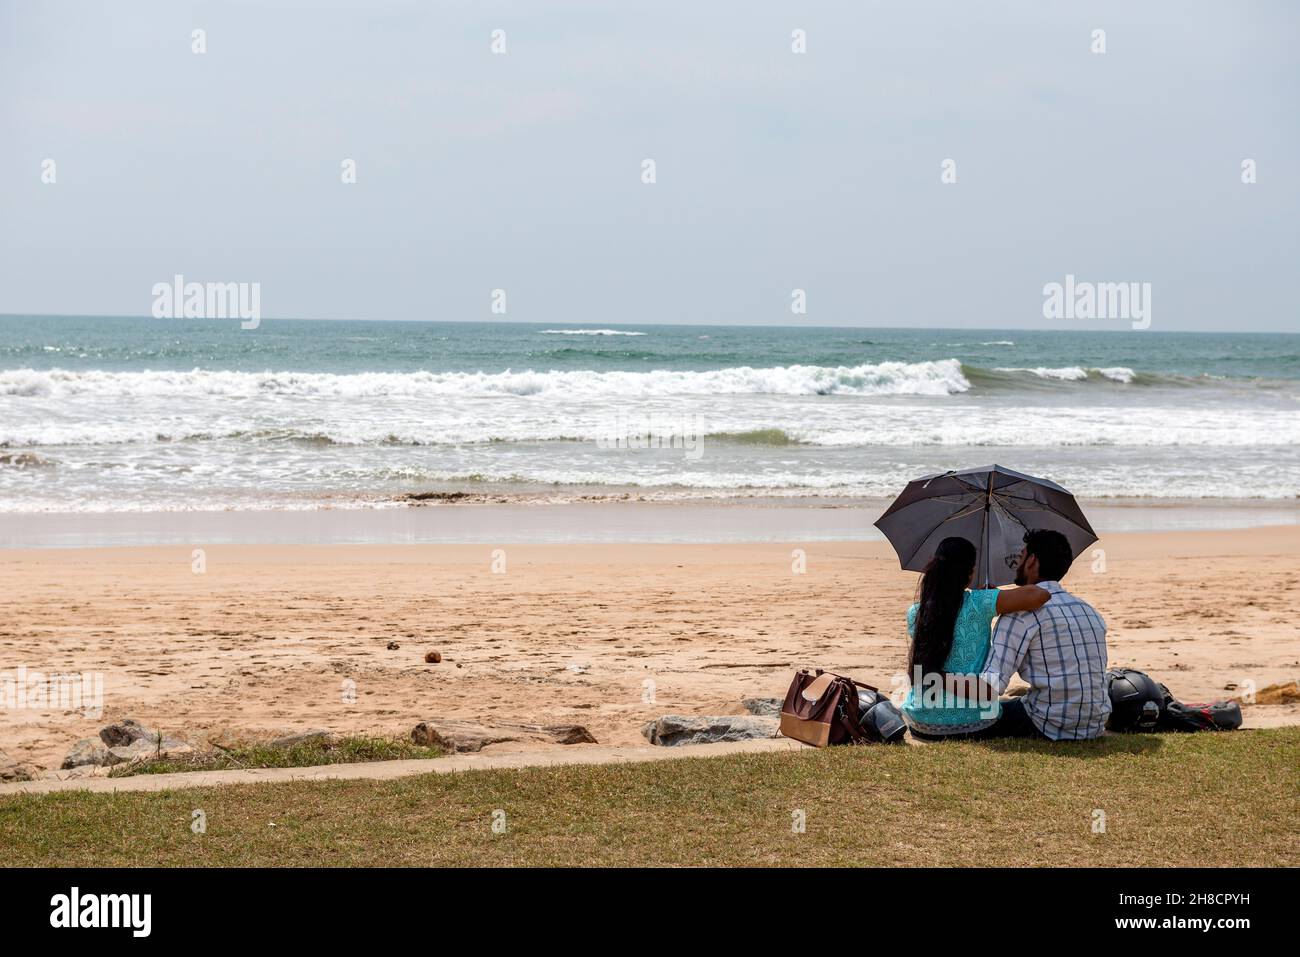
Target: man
1060, 649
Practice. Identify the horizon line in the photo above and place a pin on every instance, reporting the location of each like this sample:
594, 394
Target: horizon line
711, 325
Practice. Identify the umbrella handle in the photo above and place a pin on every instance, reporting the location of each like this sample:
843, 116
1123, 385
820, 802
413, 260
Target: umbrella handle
984, 531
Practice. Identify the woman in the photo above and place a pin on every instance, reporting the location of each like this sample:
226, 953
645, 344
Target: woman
950, 628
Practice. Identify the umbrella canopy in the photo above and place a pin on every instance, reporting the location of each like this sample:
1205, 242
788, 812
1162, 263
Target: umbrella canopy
992, 507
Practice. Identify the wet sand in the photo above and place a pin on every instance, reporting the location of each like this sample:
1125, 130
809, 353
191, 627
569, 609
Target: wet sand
612, 522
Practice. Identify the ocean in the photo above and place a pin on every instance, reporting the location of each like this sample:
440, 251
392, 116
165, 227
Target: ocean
141, 415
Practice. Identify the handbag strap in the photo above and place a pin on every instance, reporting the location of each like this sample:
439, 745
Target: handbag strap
860, 684
842, 714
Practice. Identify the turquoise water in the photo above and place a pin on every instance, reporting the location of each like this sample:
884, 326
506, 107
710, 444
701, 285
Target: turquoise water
108, 414
119, 344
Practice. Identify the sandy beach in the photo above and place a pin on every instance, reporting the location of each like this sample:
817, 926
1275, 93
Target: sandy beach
264, 640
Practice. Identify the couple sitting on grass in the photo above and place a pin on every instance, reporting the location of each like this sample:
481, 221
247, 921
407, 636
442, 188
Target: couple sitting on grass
960, 662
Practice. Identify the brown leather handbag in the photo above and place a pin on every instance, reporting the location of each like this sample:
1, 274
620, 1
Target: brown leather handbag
822, 709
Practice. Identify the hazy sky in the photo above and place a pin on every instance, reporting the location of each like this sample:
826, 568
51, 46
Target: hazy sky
775, 170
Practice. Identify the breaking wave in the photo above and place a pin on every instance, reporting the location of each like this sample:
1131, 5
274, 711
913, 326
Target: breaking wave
589, 332
1076, 374
943, 377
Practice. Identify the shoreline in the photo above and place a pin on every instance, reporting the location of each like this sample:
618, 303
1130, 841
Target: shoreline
710, 521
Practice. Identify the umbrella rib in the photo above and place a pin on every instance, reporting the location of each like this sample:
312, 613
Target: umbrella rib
970, 510
1020, 499
933, 528
977, 489
1010, 514
1035, 504
1032, 505
1008, 493
946, 499
1028, 504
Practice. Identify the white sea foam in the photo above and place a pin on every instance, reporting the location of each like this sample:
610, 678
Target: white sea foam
589, 332
887, 378
1075, 373
1118, 374
560, 484
1067, 374
302, 424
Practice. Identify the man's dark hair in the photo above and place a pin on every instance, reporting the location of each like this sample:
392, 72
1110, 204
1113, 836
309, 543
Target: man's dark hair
1052, 551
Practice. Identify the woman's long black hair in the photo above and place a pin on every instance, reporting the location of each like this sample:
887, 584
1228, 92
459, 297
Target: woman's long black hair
943, 589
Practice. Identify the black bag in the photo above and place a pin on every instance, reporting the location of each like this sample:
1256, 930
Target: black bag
1215, 716
878, 718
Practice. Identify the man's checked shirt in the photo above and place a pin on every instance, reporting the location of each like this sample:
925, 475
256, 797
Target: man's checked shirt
1060, 649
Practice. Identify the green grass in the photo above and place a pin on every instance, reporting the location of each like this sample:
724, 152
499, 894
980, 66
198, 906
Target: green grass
352, 750
1202, 799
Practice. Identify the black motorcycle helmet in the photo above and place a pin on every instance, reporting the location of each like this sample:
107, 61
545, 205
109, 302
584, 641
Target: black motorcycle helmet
878, 719
1135, 701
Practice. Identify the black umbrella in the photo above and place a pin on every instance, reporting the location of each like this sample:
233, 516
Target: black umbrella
991, 507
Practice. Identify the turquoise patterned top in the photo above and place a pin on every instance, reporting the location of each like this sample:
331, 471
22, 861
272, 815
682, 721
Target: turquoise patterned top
970, 646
